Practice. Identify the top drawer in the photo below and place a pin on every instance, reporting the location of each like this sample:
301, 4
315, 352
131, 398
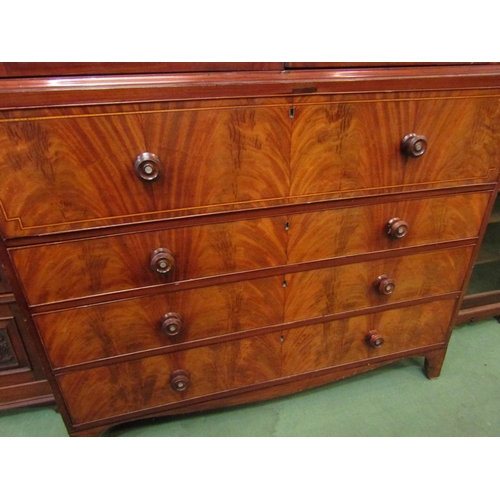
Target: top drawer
62, 173
343, 148
70, 172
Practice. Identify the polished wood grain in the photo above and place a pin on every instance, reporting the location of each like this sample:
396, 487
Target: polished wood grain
63, 271
288, 385
127, 387
104, 331
355, 146
434, 363
107, 330
75, 168
99, 265
353, 287
329, 65
214, 371
360, 229
266, 197
50, 91
74, 171
27, 69
344, 341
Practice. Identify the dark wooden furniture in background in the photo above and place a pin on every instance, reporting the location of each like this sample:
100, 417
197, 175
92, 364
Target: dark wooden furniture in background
482, 299
186, 241
22, 380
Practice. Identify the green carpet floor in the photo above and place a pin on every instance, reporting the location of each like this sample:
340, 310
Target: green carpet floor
397, 400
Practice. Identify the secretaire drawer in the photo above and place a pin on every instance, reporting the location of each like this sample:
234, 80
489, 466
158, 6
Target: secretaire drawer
62, 271
353, 145
106, 330
384, 226
130, 386
91, 168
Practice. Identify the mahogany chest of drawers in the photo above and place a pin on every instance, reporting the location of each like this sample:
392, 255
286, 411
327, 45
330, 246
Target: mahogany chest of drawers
181, 242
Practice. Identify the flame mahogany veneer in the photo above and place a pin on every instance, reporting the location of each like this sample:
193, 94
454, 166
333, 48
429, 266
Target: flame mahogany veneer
180, 240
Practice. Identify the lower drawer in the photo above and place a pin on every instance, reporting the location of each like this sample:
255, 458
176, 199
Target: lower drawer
106, 330
108, 391
91, 333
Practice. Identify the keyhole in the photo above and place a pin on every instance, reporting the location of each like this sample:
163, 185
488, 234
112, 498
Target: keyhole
291, 113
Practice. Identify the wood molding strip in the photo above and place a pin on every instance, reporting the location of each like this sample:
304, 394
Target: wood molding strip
88, 90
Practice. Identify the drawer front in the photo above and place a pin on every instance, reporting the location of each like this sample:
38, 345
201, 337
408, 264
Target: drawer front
106, 330
358, 286
353, 146
89, 267
345, 341
361, 229
108, 391
136, 385
102, 331
78, 171
84, 268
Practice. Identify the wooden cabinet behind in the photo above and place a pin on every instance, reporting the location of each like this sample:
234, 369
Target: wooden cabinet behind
482, 298
22, 380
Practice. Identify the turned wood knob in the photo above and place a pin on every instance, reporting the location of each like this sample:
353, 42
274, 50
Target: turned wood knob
171, 324
414, 145
179, 380
397, 228
162, 261
385, 285
147, 166
374, 339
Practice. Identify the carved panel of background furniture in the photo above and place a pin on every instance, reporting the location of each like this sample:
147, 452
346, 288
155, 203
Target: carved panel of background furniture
22, 380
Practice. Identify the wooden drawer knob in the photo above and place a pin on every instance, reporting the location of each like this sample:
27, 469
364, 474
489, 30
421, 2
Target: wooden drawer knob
374, 339
397, 228
385, 285
162, 261
147, 166
414, 145
179, 380
171, 324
